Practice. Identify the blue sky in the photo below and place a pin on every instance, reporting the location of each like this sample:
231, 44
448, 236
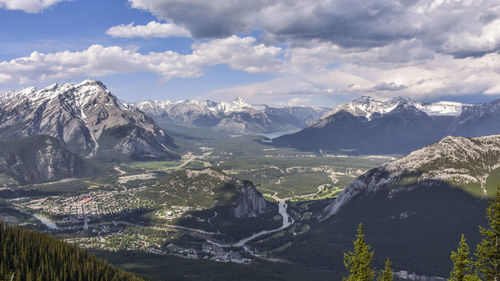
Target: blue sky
278, 52
77, 24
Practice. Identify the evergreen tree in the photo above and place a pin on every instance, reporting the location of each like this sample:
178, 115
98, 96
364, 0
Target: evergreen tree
488, 250
386, 274
359, 262
32, 256
463, 266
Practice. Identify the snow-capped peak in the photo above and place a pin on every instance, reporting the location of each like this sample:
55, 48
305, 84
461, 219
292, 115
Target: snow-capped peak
78, 93
368, 107
240, 102
237, 105
442, 108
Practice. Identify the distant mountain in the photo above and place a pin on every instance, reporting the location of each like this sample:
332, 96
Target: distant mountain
86, 119
397, 126
413, 209
237, 117
41, 158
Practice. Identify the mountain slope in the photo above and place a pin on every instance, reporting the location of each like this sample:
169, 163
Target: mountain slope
458, 161
237, 116
397, 126
413, 209
28, 255
78, 115
40, 159
477, 120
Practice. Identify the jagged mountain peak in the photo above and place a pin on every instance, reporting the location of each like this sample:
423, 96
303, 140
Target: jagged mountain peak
81, 92
237, 116
402, 100
240, 101
400, 125
369, 107
79, 115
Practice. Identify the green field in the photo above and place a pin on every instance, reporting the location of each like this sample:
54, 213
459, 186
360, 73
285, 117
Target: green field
285, 172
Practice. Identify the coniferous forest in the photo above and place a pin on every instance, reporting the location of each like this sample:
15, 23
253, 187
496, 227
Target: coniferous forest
32, 256
483, 265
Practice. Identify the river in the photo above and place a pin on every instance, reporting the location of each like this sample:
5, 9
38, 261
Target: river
287, 221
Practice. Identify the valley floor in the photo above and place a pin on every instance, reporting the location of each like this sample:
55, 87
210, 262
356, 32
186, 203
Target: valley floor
106, 214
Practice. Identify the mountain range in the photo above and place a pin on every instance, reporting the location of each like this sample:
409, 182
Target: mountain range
237, 117
398, 126
86, 119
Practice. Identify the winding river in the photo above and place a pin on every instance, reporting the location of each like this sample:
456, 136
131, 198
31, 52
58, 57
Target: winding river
287, 221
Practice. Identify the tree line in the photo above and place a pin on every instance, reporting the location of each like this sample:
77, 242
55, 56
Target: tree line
483, 265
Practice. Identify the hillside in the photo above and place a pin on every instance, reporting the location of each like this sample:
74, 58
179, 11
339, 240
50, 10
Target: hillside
86, 119
237, 117
41, 158
29, 256
413, 209
220, 202
398, 126
470, 163
208, 188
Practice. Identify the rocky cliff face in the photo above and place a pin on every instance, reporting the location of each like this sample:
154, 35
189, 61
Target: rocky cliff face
458, 161
237, 117
251, 203
41, 159
79, 115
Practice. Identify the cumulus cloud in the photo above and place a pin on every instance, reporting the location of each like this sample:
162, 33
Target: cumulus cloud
309, 73
151, 30
459, 27
241, 53
29, 6
215, 18
315, 69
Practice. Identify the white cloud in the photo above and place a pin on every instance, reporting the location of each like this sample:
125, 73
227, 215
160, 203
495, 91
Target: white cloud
151, 30
29, 6
306, 72
458, 27
237, 52
301, 72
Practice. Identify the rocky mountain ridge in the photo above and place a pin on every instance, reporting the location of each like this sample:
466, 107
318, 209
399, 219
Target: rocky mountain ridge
398, 126
369, 107
238, 116
41, 158
458, 161
86, 119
